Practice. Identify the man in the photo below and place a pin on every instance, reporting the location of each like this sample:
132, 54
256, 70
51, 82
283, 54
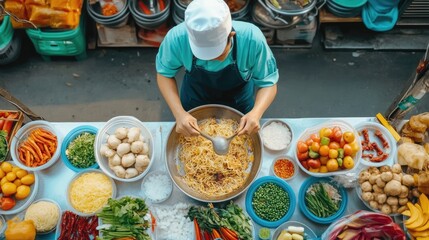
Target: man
224, 61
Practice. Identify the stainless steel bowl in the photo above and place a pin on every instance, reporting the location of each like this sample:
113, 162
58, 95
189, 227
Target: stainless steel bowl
172, 150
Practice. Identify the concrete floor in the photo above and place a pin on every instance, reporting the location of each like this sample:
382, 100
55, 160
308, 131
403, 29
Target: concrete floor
122, 81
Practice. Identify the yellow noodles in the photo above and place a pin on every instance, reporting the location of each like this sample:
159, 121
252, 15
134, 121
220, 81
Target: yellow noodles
211, 174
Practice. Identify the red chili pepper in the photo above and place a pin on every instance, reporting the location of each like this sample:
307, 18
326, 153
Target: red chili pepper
144, 8
161, 5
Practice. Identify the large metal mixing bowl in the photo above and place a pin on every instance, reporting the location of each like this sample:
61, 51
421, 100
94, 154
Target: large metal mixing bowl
173, 146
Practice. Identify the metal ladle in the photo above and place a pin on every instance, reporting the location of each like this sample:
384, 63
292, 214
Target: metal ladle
220, 144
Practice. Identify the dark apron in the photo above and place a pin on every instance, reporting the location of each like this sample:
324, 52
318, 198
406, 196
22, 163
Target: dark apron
225, 87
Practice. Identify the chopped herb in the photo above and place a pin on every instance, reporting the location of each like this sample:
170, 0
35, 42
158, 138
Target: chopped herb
80, 151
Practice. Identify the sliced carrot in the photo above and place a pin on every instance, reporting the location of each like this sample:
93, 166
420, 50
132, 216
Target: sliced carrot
197, 230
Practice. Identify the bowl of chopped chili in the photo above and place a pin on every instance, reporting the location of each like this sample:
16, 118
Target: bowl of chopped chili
284, 167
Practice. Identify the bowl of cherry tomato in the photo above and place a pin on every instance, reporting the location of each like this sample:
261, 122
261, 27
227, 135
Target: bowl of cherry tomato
328, 149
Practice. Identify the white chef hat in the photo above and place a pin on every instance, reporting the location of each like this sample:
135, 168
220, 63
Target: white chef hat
208, 23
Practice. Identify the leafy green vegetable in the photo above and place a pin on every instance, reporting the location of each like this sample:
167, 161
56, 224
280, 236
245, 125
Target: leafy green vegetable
80, 151
125, 217
3, 145
231, 217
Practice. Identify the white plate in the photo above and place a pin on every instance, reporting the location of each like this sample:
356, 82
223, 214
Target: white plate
392, 151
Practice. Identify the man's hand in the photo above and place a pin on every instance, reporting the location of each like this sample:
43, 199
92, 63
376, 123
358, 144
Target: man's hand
186, 125
249, 123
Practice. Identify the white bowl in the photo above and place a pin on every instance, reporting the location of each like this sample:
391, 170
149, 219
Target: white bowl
154, 174
59, 213
344, 127
22, 135
292, 160
372, 127
108, 129
266, 141
24, 203
79, 175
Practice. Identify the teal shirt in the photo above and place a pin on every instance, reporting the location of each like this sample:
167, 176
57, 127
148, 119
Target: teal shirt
254, 56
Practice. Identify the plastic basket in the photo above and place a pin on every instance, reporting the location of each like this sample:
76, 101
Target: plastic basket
60, 43
6, 33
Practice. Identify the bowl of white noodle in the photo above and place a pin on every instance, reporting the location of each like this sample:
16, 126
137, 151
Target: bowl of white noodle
198, 171
45, 213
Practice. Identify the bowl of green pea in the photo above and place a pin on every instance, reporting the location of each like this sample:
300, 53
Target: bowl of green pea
270, 201
77, 149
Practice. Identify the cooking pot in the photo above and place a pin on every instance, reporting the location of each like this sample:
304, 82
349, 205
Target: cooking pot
173, 147
286, 14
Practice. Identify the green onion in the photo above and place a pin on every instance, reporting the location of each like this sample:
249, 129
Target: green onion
80, 151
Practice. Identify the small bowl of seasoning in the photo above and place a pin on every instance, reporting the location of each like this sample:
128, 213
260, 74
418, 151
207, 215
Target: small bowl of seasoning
157, 187
284, 167
276, 135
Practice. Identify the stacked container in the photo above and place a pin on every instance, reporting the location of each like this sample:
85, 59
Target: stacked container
150, 14
10, 42
50, 42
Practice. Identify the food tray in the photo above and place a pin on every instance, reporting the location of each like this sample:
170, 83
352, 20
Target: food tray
17, 125
108, 129
23, 133
392, 150
344, 127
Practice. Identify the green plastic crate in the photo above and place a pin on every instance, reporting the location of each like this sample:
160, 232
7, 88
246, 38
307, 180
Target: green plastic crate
60, 43
6, 32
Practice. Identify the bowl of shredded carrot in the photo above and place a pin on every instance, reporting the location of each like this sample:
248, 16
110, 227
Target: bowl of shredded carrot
36, 146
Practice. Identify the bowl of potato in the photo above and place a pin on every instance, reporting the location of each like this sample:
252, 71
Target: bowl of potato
386, 189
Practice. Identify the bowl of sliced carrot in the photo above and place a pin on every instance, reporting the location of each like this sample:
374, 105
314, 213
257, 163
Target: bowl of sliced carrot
36, 146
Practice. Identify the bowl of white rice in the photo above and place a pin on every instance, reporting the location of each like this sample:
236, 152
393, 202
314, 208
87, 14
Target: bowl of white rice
276, 135
45, 213
156, 186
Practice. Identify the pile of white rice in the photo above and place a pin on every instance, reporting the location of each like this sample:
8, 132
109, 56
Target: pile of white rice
276, 136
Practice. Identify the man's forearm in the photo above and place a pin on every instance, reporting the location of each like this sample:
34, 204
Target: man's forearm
264, 97
168, 88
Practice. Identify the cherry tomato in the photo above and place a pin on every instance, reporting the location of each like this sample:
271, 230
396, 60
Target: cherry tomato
324, 160
315, 146
348, 150
309, 142
338, 135
348, 137
324, 151
327, 132
304, 164
7, 203
302, 147
303, 156
334, 145
315, 137
333, 153
314, 163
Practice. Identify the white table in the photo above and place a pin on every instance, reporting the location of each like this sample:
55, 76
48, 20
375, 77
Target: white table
54, 181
